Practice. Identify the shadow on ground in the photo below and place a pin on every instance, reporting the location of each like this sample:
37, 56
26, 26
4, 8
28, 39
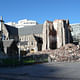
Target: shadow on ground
45, 71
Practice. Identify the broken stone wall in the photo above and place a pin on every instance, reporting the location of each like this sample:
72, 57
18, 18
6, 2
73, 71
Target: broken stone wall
56, 34
49, 36
58, 25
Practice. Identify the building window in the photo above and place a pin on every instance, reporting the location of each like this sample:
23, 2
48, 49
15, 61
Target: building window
26, 38
21, 38
26, 43
32, 43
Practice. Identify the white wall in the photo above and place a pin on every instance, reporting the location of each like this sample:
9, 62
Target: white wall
0, 26
22, 23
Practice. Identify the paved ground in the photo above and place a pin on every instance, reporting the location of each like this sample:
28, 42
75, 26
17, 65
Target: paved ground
46, 71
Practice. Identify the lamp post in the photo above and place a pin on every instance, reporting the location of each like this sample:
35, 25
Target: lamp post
19, 51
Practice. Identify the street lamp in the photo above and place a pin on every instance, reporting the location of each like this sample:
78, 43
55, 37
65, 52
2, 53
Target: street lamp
19, 50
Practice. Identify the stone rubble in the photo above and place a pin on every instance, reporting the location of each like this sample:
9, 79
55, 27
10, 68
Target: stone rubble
69, 52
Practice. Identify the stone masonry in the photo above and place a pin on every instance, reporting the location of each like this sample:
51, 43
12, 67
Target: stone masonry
56, 34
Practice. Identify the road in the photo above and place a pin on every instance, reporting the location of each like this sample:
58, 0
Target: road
45, 71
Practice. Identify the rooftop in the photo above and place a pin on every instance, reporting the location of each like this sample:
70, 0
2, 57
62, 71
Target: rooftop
35, 29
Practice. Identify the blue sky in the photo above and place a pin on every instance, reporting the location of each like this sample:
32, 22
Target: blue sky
40, 10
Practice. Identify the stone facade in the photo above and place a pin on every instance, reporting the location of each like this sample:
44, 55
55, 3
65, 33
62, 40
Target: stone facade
32, 35
56, 34
9, 39
28, 42
50, 35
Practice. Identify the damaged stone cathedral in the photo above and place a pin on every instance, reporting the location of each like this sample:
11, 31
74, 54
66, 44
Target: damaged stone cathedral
56, 34
38, 37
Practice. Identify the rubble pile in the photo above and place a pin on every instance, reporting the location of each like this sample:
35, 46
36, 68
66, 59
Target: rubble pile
69, 52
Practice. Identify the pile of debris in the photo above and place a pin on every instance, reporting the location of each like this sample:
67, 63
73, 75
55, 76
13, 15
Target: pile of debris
69, 52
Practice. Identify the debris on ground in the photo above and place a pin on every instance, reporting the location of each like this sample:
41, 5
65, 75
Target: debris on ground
69, 52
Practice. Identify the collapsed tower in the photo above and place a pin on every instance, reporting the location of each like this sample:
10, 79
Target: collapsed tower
56, 34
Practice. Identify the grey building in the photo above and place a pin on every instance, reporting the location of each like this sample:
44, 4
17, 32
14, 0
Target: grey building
31, 36
9, 39
75, 32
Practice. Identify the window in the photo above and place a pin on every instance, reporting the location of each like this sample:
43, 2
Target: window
21, 38
26, 43
26, 38
32, 43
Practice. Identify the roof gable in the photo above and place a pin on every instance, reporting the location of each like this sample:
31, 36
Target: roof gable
12, 30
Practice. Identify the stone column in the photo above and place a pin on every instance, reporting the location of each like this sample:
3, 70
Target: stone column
63, 28
48, 43
44, 35
2, 22
55, 27
58, 28
63, 33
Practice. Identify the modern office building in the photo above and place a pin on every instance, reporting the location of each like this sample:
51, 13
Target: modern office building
22, 23
76, 32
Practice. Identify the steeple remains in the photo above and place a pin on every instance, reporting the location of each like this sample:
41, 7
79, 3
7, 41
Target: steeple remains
2, 22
